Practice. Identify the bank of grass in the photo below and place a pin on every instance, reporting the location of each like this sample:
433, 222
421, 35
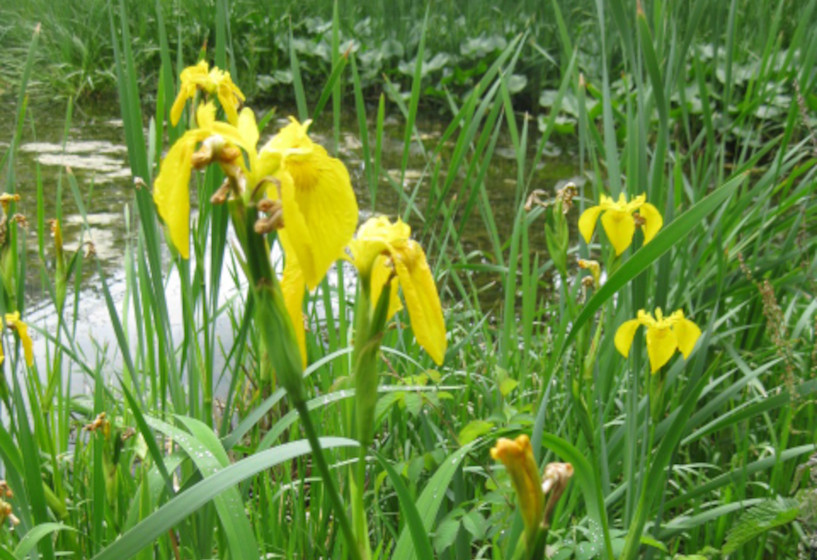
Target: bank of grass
714, 471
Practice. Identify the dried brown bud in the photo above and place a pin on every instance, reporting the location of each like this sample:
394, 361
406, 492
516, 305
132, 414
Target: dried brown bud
20, 220
554, 482
222, 193
274, 210
535, 198
566, 194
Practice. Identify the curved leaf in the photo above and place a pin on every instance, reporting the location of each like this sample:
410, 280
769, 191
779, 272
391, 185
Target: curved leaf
419, 534
430, 500
189, 501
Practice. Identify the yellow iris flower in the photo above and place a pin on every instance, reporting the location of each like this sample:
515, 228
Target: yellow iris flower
382, 250
319, 213
319, 205
665, 335
171, 190
517, 456
213, 81
13, 322
619, 222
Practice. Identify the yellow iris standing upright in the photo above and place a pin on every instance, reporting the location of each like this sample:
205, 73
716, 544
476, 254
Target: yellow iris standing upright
307, 197
386, 259
382, 250
620, 218
215, 81
665, 335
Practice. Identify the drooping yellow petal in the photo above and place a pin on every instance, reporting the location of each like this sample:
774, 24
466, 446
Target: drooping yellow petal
620, 228
652, 221
2, 355
321, 204
247, 126
185, 93
171, 192
661, 345
517, 456
587, 222
293, 287
422, 299
228, 99
13, 321
687, 334
624, 336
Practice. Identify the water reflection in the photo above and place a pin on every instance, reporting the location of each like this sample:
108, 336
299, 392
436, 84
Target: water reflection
92, 150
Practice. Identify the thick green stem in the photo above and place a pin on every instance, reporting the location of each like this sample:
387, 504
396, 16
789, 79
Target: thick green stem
369, 325
278, 336
328, 481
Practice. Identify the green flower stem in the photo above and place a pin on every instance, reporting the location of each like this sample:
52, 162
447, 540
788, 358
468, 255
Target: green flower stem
369, 326
278, 337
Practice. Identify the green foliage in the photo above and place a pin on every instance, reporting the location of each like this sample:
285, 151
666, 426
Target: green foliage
706, 108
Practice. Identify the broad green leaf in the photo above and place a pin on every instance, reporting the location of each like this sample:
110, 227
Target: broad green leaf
763, 517
419, 534
196, 496
429, 502
38, 532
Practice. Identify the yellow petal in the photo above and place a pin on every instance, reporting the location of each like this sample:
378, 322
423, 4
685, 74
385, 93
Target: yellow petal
291, 139
380, 274
171, 192
634, 204
28, 345
185, 93
652, 221
620, 228
292, 286
13, 321
322, 204
228, 100
687, 334
422, 300
624, 336
206, 115
587, 222
2, 355
517, 456
375, 237
661, 345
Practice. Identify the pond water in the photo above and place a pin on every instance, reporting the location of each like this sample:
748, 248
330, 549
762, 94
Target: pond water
92, 149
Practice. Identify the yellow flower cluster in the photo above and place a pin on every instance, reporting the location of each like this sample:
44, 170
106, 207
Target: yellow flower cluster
313, 190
